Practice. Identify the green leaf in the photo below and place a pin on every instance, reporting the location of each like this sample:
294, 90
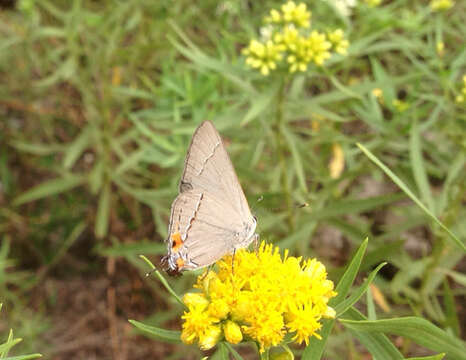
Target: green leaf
347, 303
163, 280
76, 148
417, 329
158, 333
315, 349
51, 187
433, 357
260, 105
377, 344
408, 192
295, 153
350, 206
419, 170
344, 285
103, 211
233, 351
24, 357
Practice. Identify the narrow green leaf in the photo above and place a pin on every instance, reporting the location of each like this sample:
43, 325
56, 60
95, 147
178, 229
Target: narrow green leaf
450, 309
419, 170
76, 148
295, 153
103, 211
350, 206
408, 192
51, 187
162, 280
433, 357
418, 330
377, 344
315, 349
344, 285
24, 357
36, 149
260, 105
160, 334
233, 351
347, 303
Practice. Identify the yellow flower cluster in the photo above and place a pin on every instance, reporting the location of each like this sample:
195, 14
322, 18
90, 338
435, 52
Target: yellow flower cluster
461, 98
298, 15
441, 5
290, 41
373, 3
261, 298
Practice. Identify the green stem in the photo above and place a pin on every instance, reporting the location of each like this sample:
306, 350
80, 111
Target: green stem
281, 149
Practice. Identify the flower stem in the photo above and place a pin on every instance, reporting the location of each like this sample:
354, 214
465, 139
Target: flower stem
281, 149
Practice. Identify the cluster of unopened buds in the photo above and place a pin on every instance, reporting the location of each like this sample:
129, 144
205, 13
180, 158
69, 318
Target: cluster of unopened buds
289, 42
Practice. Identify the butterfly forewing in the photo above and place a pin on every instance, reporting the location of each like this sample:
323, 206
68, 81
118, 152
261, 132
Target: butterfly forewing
210, 217
208, 168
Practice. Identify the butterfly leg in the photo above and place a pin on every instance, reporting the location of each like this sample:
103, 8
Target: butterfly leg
207, 272
256, 243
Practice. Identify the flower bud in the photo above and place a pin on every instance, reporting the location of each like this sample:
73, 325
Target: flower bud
330, 313
210, 338
195, 300
232, 332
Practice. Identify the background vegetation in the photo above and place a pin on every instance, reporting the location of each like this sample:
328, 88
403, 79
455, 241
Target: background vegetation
98, 100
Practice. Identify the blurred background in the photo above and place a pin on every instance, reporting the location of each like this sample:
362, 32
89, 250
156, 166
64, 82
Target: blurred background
98, 102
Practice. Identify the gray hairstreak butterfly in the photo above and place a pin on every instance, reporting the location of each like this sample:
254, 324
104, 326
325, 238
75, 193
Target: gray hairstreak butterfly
210, 217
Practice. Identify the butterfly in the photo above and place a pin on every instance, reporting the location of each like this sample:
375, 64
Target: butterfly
210, 217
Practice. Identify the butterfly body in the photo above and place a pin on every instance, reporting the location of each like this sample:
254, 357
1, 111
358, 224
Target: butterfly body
210, 217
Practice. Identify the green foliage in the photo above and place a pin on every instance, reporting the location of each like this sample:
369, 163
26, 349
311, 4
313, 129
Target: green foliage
98, 101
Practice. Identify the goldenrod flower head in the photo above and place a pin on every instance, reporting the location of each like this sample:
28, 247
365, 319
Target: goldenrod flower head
263, 56
441, 5
318, 47
373, 3
290, 13
288, 36
339, 43
263, 297
296, 14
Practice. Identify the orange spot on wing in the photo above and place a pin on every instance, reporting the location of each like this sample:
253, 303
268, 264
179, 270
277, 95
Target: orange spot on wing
179, 263
176, 241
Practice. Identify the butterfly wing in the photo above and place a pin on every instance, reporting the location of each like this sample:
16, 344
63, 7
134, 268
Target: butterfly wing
210, 217
208, 168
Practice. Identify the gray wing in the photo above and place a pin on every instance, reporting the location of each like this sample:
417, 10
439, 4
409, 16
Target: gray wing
208, 168
203, 229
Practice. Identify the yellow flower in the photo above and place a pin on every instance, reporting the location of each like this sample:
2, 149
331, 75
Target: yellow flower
373, 3
440, 47
296, 14
195, 300
263, 56
210, 337
339, 43
232, 332
378, 93
265, 297
318, 47
441, 5
299, 55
